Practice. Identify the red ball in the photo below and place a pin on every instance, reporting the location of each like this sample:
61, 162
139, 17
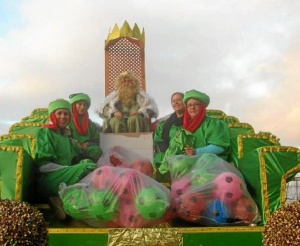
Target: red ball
144, 166
245, 209
171, 212
129, 217
191, 206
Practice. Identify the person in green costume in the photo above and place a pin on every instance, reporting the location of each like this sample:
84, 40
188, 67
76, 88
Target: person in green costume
55, 155
199, 133
83, 129
128, 108
168, 127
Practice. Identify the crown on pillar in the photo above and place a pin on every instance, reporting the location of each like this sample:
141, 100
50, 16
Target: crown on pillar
126, 32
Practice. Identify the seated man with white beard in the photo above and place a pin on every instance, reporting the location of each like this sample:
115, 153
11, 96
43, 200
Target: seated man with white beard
128, 109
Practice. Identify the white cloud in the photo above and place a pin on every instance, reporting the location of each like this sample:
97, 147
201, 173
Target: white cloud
239, 52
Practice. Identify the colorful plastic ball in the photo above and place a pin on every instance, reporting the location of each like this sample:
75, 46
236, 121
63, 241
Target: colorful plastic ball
216, 212
245, 210
191, 206
228, 187
75, 202
180, 165
144, 166
152, 203
103, 177
207, 161
201, 177
103, 205
129, 217
179, 187
128, 184
171, 212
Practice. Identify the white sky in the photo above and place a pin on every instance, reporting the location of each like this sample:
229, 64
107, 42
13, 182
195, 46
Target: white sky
244, 54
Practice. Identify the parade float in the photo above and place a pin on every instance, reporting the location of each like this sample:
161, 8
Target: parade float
260, 167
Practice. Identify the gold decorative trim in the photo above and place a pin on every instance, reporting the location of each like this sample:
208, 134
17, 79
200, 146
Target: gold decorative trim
38, 110
242, 137
182, 230
223, 229
31, 137
125, 32
36, 116
283, 183
18, 184
264, 184
26, 124
240, 125
145, 237
78, 230
215, 112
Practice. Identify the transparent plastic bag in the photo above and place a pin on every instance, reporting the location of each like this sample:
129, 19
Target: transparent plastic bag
119, 156
210, 191
119, 197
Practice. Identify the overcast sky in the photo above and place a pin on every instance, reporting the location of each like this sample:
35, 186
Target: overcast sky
245, 54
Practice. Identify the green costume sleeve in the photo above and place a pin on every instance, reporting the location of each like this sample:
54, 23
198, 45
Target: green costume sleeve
157, 135
215, 132
52, 147
181, 139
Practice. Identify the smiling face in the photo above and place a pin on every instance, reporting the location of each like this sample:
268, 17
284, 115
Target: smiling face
63, 117
177, 103
81, 107
193, 107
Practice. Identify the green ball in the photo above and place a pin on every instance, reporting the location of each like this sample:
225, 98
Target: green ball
151, 203
103, 205
75, 202
180, 165
201, 177
208, 162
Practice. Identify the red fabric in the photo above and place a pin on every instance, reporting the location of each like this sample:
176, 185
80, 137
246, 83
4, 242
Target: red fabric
192, 124
82, 129
52, 124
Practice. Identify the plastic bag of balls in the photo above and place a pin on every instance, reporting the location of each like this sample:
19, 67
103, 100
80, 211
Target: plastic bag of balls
117, 197
210, 191
119, 156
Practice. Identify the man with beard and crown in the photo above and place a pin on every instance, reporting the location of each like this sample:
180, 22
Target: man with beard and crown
127, 109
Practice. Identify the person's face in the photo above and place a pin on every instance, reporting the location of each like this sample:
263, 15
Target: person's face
63, 117
193, 107
177, 103
127, 82
81, 107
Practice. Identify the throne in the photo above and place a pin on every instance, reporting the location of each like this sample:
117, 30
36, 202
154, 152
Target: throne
124, 51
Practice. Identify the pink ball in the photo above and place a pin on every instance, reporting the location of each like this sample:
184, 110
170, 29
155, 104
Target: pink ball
128, 184
103, 177
179, 187
228, 187
191, 206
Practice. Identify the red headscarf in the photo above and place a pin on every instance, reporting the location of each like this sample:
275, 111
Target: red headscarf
192, 124
81, 128
52, 124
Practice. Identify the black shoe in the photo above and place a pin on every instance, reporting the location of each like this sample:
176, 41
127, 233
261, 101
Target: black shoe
56, 205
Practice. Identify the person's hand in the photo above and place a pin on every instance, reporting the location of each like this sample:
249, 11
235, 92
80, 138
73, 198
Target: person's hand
134, 113
118, 115
84, 145
189, 150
